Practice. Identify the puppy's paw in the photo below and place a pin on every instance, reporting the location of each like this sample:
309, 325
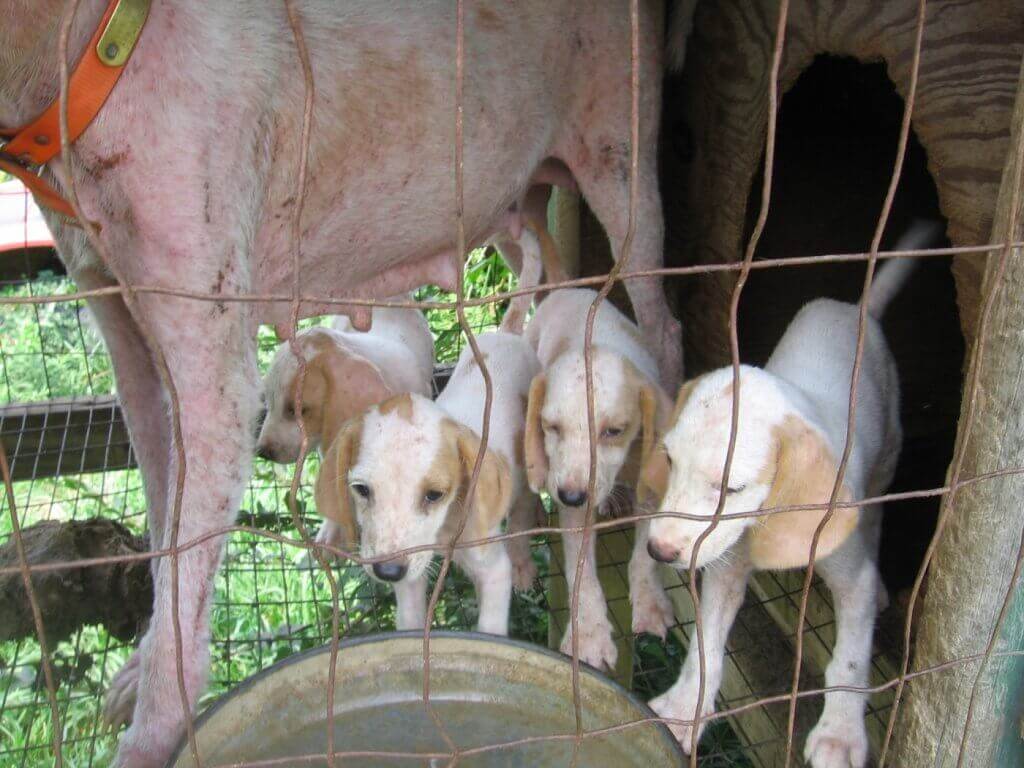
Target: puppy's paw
834, 743
679, 708
524, 572
596, 646
652, 610
120, 702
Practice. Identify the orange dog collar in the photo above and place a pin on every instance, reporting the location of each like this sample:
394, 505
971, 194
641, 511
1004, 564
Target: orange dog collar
89, 85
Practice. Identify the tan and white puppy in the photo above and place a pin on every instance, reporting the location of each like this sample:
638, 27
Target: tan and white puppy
397, 475
629, 405
346, 372
791, 432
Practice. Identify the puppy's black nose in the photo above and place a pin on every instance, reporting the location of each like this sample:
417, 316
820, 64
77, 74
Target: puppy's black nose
661, 552
572, 498
390, 571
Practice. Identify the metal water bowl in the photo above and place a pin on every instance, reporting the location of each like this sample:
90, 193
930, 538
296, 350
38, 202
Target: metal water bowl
485, 690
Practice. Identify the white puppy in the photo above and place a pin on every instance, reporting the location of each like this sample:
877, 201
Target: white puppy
400, 471
791, 433
629, 404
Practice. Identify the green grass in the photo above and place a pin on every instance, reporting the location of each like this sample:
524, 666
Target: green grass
268, 603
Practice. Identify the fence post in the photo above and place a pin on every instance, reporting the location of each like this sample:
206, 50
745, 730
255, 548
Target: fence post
976, 556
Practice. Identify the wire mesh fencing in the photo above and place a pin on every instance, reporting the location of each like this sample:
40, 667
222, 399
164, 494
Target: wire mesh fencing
278, 592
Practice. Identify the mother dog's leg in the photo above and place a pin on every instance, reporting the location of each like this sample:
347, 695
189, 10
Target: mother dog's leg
599, 158
144, 406
210, 351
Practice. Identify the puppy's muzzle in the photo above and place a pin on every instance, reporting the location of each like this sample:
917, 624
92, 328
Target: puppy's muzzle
391, 570
662, 552
571, 497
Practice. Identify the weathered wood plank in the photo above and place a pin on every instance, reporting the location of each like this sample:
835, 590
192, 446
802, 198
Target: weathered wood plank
978, 550
72, 436
79, 435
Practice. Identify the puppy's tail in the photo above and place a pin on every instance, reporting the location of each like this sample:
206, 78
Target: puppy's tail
680, 25
889, 280
539, 254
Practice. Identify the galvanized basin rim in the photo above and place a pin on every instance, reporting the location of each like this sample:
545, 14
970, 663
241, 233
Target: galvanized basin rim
487, 689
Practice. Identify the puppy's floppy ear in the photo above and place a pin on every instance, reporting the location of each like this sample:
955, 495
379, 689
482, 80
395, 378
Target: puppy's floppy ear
352, 384
654, 471
533, 441
805, 472
331, 492
493, 496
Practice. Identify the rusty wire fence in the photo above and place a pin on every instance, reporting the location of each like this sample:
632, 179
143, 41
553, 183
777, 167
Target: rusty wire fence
336, 601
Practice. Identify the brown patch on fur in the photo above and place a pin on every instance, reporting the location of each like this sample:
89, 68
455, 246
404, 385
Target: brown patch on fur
492, 496
654, 476
399, 404
804, 473
640, 399
331, 492
519, 447
535, 459
338, 385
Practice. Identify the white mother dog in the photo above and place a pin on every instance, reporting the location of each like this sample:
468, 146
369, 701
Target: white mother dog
792, 428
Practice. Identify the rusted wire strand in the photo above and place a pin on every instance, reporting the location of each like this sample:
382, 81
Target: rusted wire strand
858, 359
37, 616
588, 364
295, 22
734, 352
460, 311
61, 565
344, 304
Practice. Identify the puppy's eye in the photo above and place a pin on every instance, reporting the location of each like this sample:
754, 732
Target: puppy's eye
612, 432
553, 429
289, 410
361, 489
433, 495
734, 489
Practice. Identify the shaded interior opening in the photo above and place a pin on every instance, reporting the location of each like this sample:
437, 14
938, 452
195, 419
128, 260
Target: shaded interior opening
836, 144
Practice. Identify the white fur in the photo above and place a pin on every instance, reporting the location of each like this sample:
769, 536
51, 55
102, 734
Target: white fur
396, 453
557, 332
807, 377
